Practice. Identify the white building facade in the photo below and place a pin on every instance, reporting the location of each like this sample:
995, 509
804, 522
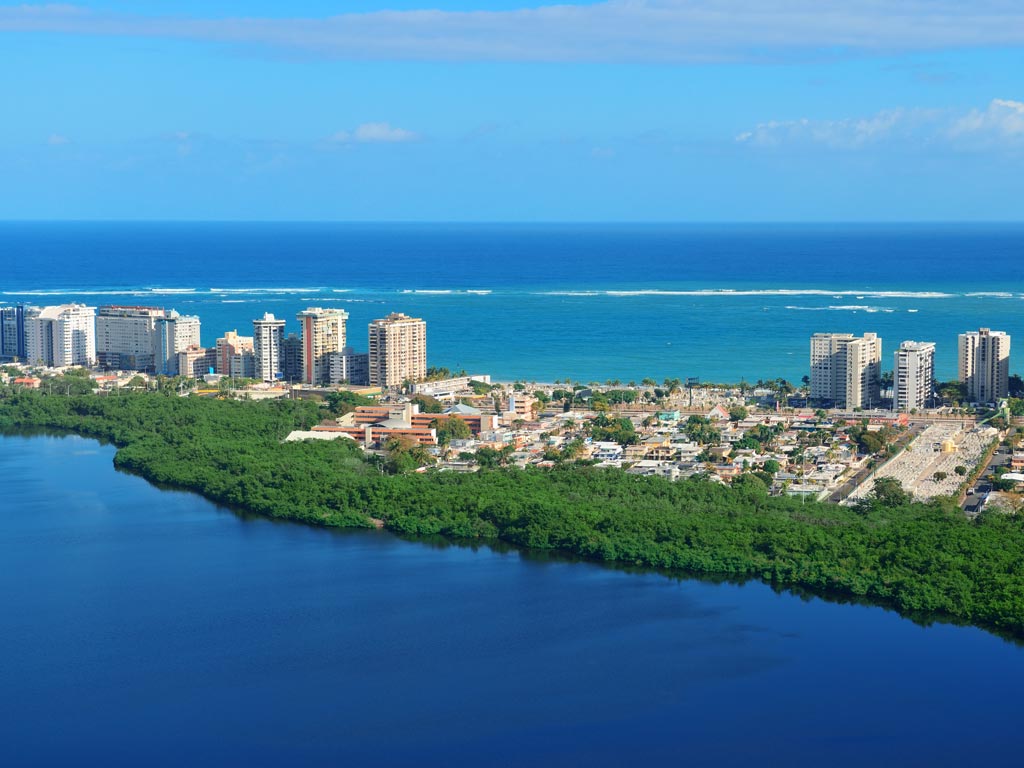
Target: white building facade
61, 336
267, 339
913, 376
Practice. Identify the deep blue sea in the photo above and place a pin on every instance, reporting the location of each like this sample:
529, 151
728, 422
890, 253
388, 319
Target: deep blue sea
141, 627
544, 302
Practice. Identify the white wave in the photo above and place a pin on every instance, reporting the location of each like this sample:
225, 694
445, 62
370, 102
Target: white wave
842, 308
479, 292
760, 292
125, 292
234, 301
257, 291
990, 295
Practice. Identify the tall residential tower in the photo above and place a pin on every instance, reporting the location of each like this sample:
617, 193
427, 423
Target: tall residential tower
913, 375
398, 350
983, 364
267, 338
323, 333
846, 370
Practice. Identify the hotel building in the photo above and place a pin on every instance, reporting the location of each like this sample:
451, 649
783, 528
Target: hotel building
126, 338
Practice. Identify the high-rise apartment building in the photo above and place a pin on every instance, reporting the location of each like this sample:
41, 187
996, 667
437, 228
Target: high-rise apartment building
61, 336
268, 337
235, 356
846, 370
12, 332
913, 375
174, 334
349, 366
126, 337
398, 350
291, 357
983, 364
323, 333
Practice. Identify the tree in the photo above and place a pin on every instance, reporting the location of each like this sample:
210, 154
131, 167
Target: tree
452, 428
403, 454
342, 402
889, 492
428, 404
771, 466
939, 476
737, 413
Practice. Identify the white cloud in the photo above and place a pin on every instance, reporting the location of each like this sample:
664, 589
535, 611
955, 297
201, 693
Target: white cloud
57, 140
1001, 121
375, 133
615, 30
1000, 124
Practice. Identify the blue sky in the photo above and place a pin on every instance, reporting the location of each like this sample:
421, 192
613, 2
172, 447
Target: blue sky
629, 110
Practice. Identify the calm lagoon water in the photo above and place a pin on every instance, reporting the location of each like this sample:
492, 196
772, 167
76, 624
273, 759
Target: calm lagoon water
141, 626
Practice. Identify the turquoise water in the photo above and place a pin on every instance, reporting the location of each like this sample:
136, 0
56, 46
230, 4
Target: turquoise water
149, 627
540, 302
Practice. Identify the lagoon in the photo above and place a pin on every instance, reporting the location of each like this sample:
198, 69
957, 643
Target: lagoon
141, 625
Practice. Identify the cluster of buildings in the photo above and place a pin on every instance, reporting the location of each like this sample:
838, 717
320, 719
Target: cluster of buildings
846, 370
160, 341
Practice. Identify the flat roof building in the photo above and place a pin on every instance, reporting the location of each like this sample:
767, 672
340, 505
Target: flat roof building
267, 337
913, 376
846, 370
61, 336
323, 333
983, 364
398, 350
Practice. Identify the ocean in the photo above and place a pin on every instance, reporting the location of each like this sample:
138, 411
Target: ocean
554, 301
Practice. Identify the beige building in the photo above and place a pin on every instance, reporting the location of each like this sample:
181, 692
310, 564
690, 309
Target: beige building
323, 333
983, 364
846, 369
196, 361
235, 356
913, 374
398, 350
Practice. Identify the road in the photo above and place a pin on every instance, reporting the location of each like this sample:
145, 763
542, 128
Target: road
977, 495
